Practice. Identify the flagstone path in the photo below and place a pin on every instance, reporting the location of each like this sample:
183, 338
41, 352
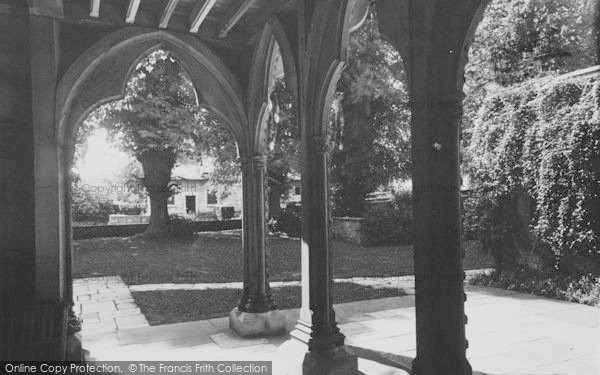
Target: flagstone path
509, 333
105, 303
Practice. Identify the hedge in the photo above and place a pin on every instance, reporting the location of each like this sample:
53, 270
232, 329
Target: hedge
545, 140
181, 227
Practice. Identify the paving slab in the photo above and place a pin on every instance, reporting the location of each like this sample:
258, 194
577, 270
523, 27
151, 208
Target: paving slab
106, 305
508, 333
229, 340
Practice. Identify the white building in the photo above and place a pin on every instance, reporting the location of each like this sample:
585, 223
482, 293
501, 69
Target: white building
197, 197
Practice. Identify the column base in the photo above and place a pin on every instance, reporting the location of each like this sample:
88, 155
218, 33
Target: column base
340, 361
74, 350
247, 324
301, 332
417, 370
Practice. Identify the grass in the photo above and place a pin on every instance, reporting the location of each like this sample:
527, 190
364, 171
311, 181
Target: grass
164, 307
217, 257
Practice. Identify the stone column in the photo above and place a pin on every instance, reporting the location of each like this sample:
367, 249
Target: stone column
433, 38
256, 314
321, 42
17, 228
35, 302
317, 326
325, 333
49, 210
438, 255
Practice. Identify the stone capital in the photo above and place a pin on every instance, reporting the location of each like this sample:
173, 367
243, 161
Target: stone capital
259, 161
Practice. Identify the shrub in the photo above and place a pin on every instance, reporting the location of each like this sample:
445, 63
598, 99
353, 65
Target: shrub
129, 209
289, 221
389, 224
583, 288
73, 323
88, 209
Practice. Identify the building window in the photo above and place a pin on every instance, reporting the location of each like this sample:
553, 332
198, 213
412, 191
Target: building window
297, 190
211, 197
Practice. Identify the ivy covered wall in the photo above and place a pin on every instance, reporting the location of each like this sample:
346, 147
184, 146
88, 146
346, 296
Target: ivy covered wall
542, 138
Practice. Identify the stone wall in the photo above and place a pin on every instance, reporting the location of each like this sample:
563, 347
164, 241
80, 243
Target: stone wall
347, 229
119, 219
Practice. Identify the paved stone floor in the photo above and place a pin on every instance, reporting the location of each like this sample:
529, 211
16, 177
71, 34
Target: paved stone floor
508, 332
106, 304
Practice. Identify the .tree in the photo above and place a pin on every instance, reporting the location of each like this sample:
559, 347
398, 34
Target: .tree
518, 40
370, 123
158, 122
283, 157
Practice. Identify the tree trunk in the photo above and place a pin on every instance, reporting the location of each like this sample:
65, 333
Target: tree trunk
157, 166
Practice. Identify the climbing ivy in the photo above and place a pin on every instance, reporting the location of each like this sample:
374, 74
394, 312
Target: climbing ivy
543, 138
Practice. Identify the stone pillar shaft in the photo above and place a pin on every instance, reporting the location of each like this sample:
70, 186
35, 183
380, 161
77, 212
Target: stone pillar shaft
256, 297
434, 45
259, 165
438, 254
49, 199
317, 327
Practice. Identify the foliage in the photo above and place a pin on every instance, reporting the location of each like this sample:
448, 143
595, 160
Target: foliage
73, 322
370, 122
160, 122
522, 39
87, 206
583, 289
289, 221
283, 135
159, 111
518, 40
544, 140
389, 224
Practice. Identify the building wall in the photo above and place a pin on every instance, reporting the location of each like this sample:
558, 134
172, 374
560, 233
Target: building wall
199, 189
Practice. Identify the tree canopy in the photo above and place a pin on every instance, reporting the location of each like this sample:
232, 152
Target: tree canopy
370, 122
160, 122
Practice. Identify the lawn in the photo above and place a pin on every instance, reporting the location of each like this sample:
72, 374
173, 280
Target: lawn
217, 257
164, 307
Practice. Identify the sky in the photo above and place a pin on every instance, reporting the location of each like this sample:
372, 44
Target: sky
102, 161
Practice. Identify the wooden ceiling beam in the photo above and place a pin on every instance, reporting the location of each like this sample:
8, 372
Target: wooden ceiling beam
199, 14
132, 10
233, 16
167, 13
95, 8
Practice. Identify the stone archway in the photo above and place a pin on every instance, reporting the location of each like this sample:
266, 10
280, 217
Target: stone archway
433, 37
99, 75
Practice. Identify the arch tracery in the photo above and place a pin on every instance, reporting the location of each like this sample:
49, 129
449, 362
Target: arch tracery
100, 75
